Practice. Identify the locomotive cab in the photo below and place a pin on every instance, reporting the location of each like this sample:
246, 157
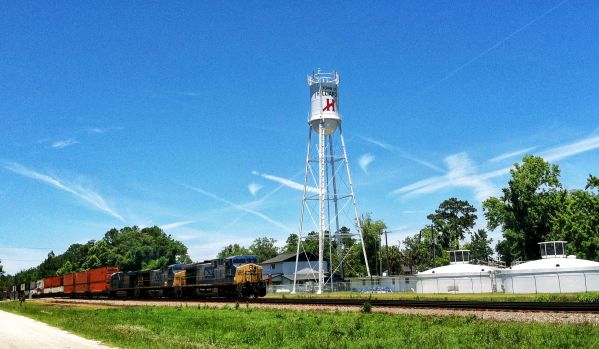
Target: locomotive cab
247, 275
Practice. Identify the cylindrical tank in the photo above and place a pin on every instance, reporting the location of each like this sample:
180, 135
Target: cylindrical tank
324, 101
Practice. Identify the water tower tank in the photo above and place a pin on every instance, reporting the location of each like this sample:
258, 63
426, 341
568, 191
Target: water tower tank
324, 100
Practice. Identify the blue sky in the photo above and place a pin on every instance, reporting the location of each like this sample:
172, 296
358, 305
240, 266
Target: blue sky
177, 115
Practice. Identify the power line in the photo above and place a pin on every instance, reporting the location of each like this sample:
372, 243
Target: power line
29, 248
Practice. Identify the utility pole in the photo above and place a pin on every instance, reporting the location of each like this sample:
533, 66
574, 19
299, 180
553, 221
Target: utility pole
387, 252
434, 242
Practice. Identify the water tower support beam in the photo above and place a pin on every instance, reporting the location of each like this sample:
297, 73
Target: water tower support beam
321, 199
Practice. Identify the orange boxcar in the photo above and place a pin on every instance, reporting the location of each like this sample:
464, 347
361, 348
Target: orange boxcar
99, 279
102, 274
68, 279
81, 288
54, 281
81, 278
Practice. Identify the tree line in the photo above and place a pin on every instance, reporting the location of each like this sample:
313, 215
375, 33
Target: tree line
130, 248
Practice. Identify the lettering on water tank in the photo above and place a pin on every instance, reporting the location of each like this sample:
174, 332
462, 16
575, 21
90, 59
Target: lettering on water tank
330, 105
327, 91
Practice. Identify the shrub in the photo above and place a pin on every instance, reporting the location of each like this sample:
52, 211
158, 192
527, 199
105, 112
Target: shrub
366, 307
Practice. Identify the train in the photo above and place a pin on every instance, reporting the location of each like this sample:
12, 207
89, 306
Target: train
234, 277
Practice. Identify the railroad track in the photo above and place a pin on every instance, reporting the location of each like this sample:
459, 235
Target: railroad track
472, 305
388, 303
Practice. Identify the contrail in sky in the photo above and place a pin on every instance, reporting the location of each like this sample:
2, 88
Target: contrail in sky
489, 49
87, 195
240, 207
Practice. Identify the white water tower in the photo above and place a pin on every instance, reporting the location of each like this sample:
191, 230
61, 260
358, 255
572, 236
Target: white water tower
328, 189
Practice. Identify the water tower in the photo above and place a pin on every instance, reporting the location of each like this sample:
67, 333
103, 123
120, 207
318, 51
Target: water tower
328, 203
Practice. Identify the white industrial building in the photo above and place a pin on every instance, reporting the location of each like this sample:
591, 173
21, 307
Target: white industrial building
457, 277
555, 272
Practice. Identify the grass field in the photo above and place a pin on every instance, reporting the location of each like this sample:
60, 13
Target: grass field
161, 327
490, 297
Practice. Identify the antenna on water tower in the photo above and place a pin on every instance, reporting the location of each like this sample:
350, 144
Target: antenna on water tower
330, 183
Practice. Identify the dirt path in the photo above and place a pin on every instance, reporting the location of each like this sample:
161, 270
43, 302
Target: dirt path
21, 332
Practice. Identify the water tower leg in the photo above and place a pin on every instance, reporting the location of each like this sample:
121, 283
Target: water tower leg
321, 199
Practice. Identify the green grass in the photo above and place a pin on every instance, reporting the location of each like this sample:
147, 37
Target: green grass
162, 327
592, 297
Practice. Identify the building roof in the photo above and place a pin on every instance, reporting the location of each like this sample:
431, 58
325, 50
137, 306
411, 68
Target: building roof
464, 269
285, 257
555, 263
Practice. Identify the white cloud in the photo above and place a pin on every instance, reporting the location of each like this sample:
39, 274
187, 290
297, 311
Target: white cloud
364, 161
254, 188
192, 93
511, 154
287, 182
65, 143
461, 173
240, 207
100, 130
565, 151
87, 195
403, 154
175, 225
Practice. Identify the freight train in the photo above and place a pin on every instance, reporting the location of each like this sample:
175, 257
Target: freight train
231, 277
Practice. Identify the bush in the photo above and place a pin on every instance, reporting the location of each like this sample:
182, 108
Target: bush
366, 307
589, 297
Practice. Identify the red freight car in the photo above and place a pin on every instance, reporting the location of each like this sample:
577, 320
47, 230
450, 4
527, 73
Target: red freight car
69, 282
99, 279
53, 285
81, 282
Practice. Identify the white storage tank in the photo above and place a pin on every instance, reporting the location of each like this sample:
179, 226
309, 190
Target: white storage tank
458, 277
555, 272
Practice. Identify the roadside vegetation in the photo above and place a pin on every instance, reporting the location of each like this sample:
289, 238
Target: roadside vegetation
241, 327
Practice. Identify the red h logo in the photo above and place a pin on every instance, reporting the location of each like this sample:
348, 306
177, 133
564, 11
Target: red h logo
330, 104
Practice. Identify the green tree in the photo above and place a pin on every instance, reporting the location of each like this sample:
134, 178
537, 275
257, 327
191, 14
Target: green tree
67, 268
419, 252
290, 244
479, 246
592, 182
132, 248
91, 262
578, 222
1, 269
393, 255
371, 234
524, 212
233, 250
453, 219
264, 248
